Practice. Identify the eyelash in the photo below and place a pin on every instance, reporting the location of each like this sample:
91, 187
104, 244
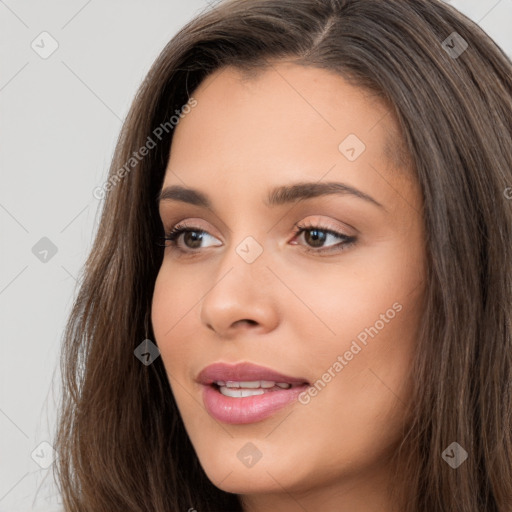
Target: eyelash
347, 241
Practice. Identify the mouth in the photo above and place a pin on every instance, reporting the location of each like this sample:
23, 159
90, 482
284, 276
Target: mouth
247, 393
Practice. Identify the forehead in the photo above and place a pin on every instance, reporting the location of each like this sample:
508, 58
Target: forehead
296, 100
282, 120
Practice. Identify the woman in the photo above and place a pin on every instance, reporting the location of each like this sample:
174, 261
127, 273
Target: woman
300, 292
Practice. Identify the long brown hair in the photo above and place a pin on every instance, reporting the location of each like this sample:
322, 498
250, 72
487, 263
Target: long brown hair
121, 442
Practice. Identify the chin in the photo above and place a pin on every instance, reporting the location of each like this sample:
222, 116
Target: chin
247, 482
265, 476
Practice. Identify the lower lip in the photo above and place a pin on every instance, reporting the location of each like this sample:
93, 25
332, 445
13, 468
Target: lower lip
249, 409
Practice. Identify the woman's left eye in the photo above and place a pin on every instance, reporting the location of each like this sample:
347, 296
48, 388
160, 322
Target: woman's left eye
316, 237
189, 239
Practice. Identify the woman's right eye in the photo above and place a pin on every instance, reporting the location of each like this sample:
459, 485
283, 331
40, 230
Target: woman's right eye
191, 240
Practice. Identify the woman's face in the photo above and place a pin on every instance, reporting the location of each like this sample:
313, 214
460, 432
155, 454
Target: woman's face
335, 305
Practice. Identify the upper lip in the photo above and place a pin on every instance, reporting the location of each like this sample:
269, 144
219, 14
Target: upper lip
243, 372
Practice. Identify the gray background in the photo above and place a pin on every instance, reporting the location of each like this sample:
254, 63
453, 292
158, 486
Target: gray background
59, 121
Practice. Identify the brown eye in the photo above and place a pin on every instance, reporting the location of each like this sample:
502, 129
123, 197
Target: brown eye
315, 237
192, 239
188, 238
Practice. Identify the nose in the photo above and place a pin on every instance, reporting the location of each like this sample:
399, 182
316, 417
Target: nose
242, 297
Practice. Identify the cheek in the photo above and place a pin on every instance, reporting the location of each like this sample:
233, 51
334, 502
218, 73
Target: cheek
175, 295
374, 289
361, 347
363, 341
172, 305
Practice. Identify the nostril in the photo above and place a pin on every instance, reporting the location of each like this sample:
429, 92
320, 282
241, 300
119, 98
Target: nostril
248, 321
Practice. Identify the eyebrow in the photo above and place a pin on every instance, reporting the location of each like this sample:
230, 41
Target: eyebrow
278, 196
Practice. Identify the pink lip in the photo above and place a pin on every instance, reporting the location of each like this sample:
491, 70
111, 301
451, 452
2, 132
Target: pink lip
243, 372
249, 409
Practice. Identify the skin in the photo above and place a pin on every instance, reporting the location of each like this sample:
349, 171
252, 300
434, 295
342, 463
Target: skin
291, 310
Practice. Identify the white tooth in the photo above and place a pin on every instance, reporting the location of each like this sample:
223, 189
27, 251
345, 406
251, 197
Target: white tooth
267, 383
240, 393
284, 385
220, 383
232, 384
250, 384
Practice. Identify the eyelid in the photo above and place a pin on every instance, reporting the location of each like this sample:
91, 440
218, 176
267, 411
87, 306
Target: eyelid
327, 223
194, 223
